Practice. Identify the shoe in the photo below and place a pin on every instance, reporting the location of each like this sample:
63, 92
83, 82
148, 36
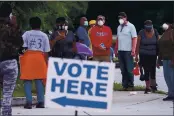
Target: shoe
154, 89
130, 89
28, 105
147, 91
40, 105
125, 89
168, 98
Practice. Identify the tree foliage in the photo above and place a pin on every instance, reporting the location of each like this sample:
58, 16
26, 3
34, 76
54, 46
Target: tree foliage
48, 11
137, 12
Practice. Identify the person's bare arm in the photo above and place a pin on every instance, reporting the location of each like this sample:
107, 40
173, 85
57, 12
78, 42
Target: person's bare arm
138, 45
46, 57
137, 48
52, 42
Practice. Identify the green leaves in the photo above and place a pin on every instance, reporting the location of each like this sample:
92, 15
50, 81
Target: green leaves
48, 11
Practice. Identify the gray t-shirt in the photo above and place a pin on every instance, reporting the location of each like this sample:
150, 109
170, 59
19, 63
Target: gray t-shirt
36, 40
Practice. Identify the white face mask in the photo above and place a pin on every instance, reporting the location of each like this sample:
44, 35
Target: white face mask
100, 23
85, 23
66, 27
10, 16
50, 32
121, 21
165, 26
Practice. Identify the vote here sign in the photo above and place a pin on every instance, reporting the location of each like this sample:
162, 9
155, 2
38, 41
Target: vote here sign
79, 85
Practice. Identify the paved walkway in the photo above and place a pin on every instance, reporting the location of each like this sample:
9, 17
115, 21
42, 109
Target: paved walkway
159, 77
123, 104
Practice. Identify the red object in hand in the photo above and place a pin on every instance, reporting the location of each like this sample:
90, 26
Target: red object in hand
136, 70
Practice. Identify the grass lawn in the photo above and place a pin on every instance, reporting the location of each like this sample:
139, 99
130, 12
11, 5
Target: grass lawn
118, 87
19, 90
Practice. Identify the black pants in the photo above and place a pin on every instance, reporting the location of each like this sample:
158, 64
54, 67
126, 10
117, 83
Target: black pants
148, 63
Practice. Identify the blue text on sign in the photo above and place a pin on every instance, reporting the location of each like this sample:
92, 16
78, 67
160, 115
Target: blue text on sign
86, 87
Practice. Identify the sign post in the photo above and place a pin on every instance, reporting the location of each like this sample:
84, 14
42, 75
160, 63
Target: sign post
79, 85
76, 113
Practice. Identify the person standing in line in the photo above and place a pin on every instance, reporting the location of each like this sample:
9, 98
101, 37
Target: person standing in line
34, 62
63, 41
166, 53
101, 39
125, 50
147, 49
10, 44
82, 32
92, 23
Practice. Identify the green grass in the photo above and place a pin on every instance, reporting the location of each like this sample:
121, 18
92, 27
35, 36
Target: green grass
118, 87
19, 90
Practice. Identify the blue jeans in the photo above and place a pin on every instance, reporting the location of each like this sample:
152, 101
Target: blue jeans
126, 66
169, 77
39, 87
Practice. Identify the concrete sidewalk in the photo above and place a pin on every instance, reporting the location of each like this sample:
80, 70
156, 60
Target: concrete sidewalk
159, 79
123, 104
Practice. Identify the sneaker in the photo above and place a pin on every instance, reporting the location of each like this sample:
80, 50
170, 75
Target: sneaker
28, 105
147, 91
168, 98
40, 105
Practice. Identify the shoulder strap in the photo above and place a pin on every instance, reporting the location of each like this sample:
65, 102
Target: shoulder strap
156, 34
141, 33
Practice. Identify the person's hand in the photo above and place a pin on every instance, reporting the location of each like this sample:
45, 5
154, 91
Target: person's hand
102, 46
133, 53
116, 53
60, 37
136, 59
158, 65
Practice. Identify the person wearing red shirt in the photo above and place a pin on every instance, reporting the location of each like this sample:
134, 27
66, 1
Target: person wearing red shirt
101, 39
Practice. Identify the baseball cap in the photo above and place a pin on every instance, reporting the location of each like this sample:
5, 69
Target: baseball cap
92, 22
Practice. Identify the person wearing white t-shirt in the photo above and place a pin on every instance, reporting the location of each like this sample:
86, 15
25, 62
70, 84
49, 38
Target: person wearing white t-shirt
34, 62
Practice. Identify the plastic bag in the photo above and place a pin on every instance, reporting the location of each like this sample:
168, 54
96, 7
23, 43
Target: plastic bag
136, 70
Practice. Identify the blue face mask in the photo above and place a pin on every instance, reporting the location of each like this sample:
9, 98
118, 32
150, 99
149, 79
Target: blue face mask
85, 23
148, 28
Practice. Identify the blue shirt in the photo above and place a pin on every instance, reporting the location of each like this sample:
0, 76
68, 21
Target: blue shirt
125, 34
83, 35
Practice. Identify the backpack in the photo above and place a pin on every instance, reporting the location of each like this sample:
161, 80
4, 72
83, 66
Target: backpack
10, 42
156, 33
